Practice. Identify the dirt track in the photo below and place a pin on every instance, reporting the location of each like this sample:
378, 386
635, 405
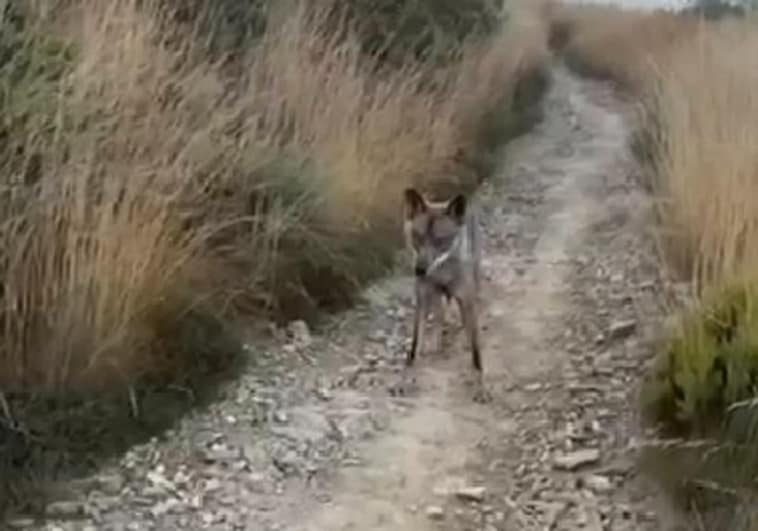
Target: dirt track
570, 308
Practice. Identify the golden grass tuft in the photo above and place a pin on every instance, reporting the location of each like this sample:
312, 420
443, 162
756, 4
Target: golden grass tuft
706, 152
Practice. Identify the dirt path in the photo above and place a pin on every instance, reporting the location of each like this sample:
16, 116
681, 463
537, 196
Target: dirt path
321, 445
541, 211
554, 170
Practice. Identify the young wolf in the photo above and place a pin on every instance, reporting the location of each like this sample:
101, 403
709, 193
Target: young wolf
445, 240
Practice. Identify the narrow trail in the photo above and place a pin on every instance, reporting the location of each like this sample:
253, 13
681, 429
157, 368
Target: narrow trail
542, 211
570, 308
524, 300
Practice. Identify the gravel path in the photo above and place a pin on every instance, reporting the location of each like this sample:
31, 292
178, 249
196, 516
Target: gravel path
311, 439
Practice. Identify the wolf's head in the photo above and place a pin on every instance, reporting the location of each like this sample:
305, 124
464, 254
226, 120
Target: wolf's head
432, 229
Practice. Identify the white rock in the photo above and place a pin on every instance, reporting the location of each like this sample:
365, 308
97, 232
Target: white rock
599, 484
622, 329
434, 512
578, 459
475, 494
301, 333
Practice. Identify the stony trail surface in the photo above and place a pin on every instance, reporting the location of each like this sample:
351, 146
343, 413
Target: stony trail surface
571, 306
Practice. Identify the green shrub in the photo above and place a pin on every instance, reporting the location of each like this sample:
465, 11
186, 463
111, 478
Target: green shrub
394, 30
32, 65
225, 26
715, 9
426, 29
704, 388
710, 364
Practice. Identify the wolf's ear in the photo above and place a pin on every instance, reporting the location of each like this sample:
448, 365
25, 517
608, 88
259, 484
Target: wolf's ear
456, 208
413, 202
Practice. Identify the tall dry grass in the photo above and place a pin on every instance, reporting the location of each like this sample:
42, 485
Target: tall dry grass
615, 43
707, 154
150, 184
152, 190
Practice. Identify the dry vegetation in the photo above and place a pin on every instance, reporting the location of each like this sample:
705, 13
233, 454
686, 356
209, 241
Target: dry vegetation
143, 179
697, 81
615, 43
155, 184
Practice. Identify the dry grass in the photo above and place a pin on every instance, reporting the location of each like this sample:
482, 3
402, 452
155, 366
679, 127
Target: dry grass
707, 152
616, 43
150, 193
697, 93
695, 80
153, 185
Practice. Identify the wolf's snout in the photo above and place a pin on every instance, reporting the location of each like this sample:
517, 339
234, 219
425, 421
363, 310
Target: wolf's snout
420, 270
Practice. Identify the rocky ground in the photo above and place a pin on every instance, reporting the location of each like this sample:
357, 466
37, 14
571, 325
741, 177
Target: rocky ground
311, 438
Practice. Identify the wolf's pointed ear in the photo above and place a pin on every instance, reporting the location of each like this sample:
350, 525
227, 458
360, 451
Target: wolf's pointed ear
456, 208
413, 202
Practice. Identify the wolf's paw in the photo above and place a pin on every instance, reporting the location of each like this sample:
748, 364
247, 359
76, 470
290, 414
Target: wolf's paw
482, 396
405, 387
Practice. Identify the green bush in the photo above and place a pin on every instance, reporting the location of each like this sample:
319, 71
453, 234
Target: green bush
426, 29
225, 26
710, 364
715, 9
32, 65
394, 30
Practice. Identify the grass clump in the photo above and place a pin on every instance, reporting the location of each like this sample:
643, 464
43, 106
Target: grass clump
710, 363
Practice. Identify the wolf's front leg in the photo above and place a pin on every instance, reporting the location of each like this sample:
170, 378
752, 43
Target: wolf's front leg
469, 313
419, 324
438, 321
408, 380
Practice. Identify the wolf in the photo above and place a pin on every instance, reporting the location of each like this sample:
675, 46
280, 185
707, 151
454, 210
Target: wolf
445, 241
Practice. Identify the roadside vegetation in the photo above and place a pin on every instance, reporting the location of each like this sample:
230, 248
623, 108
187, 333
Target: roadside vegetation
167, 171
696, 79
